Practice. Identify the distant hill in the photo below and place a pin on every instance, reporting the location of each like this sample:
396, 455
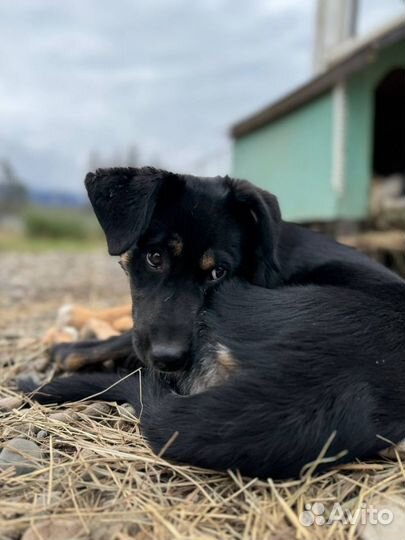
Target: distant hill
60, 199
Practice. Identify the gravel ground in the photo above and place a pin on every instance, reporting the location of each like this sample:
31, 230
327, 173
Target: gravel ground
34, 286
32, 289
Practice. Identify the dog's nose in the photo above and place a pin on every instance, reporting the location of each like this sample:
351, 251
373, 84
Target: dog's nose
168, 357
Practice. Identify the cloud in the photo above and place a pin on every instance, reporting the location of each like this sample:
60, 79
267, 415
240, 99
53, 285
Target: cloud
169, 76
374, 12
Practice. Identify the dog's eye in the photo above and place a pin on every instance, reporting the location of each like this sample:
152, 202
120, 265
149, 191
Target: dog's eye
154, 259
217, 273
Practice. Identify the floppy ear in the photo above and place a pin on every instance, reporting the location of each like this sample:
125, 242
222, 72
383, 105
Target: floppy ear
123, 200
265, 211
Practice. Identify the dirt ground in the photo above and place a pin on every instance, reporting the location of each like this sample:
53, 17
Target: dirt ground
95, 477
34, 286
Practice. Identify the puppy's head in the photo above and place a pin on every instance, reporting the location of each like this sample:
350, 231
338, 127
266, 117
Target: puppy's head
179, 237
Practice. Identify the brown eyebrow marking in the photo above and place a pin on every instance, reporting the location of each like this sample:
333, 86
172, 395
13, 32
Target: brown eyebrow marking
176, 243
207, 261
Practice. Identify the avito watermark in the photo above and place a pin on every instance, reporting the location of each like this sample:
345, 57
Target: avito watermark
316, 514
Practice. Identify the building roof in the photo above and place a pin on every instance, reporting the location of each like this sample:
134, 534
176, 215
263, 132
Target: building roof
349, 59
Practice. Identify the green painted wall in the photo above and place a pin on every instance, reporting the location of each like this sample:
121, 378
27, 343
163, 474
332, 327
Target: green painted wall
289, 157
360, 113
292, 156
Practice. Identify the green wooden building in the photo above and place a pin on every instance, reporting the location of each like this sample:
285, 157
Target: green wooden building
319, 148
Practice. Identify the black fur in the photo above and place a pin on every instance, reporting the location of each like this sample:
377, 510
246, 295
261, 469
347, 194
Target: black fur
310, 361
145, 210
323, 353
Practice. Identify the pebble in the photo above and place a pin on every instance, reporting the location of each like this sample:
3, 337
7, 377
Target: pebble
97, 409
64, 529
29, 376
392, 451
22, 454
387, 522
63, 416
10, 403
127, 414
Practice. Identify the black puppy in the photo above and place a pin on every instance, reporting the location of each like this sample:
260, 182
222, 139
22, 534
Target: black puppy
262, 377
274, 374
180, 237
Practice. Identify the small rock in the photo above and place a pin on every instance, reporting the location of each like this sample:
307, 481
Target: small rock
127, 416
391, 452
30, 377
51, 529
106, 532
22, 454
10, 403
6, 534
42, 434
97, 409
129, 409
63, 416
387, 522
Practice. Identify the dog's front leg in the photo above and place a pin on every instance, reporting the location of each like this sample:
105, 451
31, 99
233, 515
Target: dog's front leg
75, 356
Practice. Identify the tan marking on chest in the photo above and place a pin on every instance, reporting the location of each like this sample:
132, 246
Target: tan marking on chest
207, 261
226, 363
217, 368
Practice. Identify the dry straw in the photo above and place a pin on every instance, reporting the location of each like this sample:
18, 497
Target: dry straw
99, 479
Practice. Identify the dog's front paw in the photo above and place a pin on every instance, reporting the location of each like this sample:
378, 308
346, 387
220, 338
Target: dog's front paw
67, 357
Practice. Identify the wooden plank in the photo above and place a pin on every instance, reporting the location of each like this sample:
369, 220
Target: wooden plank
376, 240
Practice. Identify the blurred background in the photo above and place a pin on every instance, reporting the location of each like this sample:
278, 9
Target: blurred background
304, 97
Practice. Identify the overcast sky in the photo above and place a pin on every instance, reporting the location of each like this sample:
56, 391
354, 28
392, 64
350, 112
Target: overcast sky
85, 77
